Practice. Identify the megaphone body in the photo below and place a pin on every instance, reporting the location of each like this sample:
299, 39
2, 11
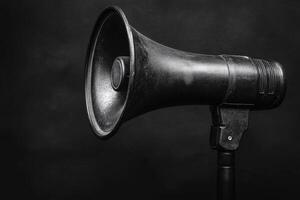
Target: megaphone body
128, 74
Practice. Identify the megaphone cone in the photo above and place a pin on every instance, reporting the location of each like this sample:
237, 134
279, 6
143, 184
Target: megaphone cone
128, 74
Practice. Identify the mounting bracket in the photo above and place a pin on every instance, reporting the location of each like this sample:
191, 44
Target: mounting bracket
228, 126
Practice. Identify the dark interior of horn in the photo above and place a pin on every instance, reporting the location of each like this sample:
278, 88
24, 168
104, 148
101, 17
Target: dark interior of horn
106, 104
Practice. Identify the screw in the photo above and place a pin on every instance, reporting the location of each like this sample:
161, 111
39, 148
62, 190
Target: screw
229, 137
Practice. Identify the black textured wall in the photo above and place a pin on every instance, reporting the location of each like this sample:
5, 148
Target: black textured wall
49, 151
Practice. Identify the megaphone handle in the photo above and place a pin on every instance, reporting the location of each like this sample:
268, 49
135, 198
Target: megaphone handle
229, 124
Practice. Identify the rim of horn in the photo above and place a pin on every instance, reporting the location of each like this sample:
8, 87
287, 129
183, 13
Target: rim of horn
106, 106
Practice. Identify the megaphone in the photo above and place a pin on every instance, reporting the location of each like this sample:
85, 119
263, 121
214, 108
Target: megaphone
128, 74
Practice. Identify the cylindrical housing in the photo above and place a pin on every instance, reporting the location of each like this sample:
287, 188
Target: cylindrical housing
256, 82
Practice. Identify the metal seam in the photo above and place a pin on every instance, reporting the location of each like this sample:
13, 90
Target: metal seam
230, 82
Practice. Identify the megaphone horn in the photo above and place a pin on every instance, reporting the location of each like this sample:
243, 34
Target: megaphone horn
128, 74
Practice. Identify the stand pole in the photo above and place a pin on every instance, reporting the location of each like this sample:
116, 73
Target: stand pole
226, 176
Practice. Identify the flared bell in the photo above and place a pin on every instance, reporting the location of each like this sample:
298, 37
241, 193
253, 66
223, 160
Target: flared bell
128, 74
111, 38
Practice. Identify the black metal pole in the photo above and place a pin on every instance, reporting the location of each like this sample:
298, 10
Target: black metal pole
226, 175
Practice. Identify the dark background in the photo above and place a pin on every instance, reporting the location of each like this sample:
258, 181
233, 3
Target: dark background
48, 149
